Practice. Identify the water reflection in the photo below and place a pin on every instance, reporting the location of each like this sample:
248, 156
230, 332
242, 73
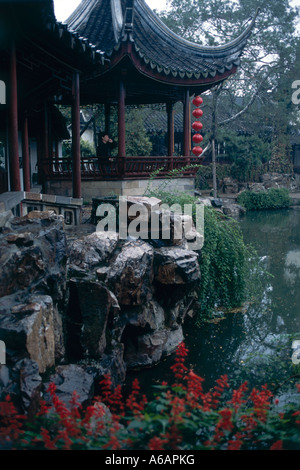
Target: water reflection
292, 267
255, 343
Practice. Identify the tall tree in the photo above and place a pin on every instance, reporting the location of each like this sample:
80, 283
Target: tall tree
258, 96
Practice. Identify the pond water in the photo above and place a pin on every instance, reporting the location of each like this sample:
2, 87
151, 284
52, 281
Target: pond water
254, 344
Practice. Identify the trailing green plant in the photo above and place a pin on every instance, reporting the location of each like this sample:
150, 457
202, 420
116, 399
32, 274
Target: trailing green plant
225, 261
225, 264
273, 198
181, 416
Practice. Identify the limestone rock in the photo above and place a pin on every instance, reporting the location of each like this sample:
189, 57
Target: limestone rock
206, 201
149, 203
176, 266
148, 349
144, 350
91, 251
28, 328
232, 209
256, 187
111, 363
174, 338
5, 219
150, 316
30, 385
70, 378
33, 256
131, 274
23, 383
92, 306
176, 272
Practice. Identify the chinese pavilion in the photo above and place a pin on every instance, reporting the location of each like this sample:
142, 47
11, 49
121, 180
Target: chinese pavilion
110, 52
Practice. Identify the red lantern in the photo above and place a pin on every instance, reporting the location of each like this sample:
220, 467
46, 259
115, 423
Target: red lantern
197, 101
197, 113
197, 151
197, 126
197, 138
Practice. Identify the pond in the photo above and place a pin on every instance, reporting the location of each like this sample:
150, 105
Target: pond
254, 343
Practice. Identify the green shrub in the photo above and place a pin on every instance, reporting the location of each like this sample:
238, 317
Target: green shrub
205, 175
248, 154
273, 198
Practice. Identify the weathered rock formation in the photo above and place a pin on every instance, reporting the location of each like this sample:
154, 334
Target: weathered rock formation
267, 181
97, 305
132, 297
33, 298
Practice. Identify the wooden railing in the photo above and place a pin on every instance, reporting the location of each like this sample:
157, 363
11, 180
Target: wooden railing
119, 168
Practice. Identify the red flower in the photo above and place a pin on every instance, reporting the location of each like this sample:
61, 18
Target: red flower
134, 402
234, 444
237, 396
11, 422
49, 444
194, 388
261, 402
278, 445
222, 383
179, 369
156, 443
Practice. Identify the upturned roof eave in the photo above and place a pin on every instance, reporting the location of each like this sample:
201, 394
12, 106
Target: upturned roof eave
126, 50
229, 54
210, 61
229, 48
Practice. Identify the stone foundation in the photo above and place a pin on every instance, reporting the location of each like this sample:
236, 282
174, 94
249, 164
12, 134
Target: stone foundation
91, 189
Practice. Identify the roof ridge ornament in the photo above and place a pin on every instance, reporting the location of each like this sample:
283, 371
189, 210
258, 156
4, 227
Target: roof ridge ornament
128, 17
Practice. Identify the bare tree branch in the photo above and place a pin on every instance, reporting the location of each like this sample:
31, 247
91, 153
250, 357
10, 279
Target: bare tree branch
251, 101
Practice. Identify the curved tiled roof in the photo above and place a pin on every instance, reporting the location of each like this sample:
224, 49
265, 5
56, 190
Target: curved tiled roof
109, 23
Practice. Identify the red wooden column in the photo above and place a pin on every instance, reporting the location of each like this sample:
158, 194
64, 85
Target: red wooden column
121, 120
25, 155
76, 136
186, 124
15, 182
170, 129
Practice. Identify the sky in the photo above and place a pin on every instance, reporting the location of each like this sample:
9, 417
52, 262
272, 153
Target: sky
63, 8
